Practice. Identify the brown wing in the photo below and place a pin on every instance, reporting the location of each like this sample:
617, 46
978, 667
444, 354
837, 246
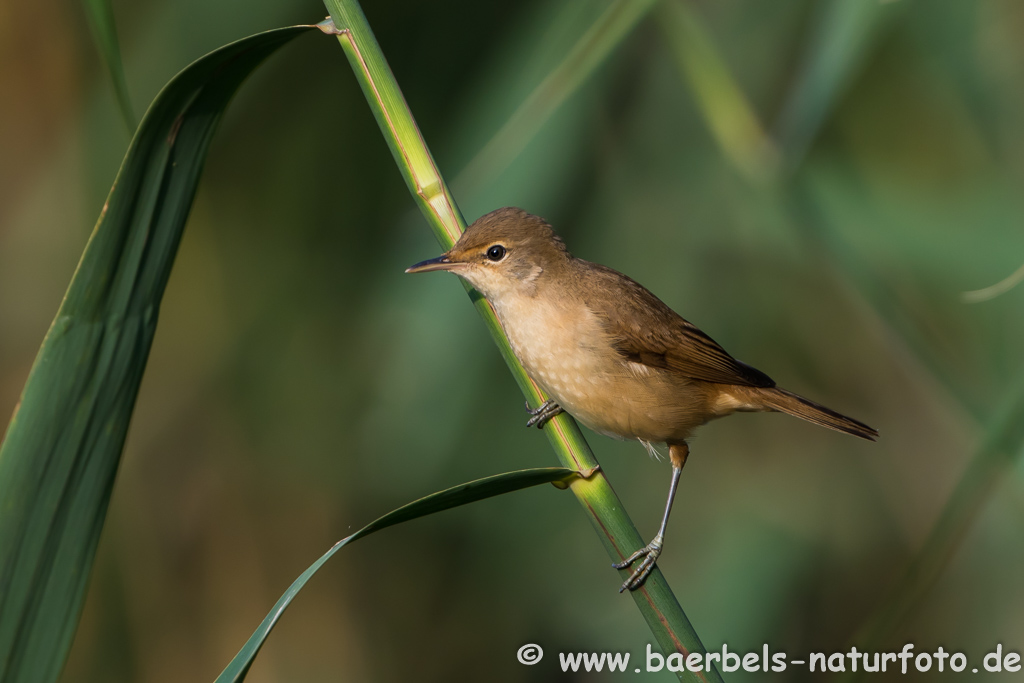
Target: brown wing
647, 331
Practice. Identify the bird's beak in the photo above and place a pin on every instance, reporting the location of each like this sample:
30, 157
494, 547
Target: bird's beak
440, 263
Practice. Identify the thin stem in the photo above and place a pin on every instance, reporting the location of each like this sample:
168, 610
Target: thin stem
655, 600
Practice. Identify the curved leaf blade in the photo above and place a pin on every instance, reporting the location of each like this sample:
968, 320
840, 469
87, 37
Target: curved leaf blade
63, 445
462, 494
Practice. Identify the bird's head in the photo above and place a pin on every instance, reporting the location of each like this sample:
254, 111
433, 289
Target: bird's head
506, 251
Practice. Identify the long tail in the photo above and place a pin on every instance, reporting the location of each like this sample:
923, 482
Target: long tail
798, 406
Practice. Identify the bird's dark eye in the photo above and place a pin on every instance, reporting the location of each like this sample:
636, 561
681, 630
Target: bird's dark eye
496, 253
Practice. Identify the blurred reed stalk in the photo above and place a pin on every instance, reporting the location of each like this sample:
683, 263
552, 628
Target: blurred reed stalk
839, 42
722, 103
655, 599
100, 16
617, 22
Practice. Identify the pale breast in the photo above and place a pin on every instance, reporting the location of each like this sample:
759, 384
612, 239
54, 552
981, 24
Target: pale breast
566, 350
559, 347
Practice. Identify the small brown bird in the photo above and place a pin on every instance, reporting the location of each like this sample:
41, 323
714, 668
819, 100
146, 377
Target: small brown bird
608, 351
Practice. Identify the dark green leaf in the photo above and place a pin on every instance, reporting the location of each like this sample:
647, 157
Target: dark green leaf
62, 448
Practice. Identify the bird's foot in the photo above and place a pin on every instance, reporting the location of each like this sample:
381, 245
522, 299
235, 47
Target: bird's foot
650, 553
543, 413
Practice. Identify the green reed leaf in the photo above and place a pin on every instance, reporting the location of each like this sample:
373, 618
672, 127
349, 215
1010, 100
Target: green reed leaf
462, 494
62, 448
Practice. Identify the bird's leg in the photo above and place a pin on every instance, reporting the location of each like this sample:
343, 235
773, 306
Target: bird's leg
677, 453
543, 413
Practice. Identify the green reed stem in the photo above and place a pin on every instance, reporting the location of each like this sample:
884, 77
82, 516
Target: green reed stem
655, 599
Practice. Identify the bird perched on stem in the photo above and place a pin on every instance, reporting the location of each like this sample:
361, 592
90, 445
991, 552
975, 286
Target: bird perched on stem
609, 352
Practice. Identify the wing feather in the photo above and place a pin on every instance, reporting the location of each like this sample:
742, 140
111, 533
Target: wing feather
645, 330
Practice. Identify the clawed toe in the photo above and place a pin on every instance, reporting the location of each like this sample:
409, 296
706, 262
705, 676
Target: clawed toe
650, 553
677, 452
543, 413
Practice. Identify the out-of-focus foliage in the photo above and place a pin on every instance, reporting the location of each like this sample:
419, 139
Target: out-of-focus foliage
104, 30
289, 335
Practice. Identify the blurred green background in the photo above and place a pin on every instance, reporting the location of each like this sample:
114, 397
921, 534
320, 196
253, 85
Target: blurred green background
300, 385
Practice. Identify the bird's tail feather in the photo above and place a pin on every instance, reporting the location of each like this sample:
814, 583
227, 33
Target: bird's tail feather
798, 406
